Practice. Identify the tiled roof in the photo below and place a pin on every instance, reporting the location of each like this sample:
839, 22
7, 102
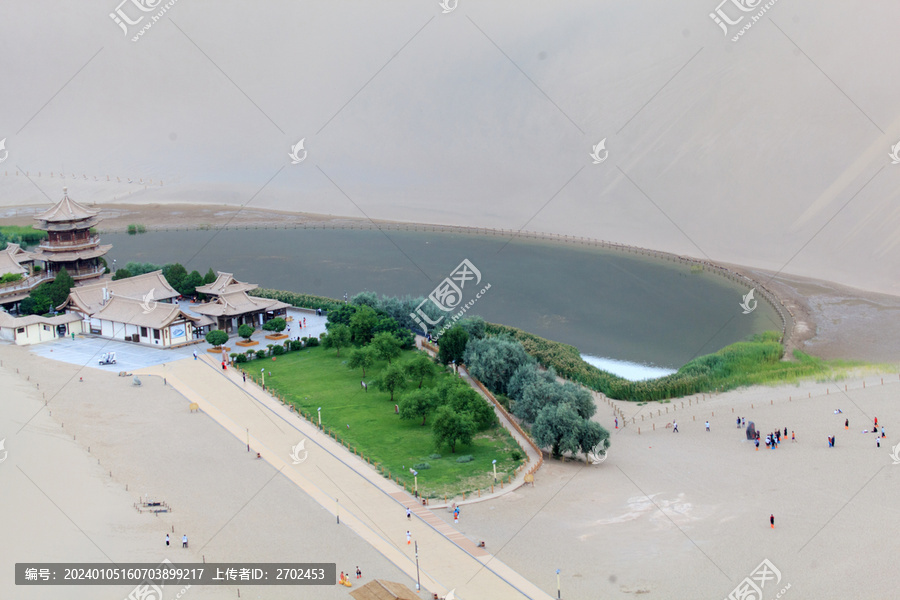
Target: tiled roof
224, 283
89, 298
66, 210
135, 312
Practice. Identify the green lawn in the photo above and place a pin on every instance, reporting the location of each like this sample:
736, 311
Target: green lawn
316, 377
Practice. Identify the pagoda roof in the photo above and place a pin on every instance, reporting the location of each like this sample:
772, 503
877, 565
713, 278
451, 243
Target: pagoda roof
70, 255
66, 210
225, 283
235, 303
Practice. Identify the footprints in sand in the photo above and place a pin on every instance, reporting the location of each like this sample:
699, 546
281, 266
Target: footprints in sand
659, 510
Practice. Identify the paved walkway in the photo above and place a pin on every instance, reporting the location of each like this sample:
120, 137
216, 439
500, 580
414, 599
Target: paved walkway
370, 505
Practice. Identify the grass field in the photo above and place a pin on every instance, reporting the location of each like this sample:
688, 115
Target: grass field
316, 377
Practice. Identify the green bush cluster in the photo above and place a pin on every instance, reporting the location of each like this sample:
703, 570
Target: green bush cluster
465, 458
134, 228
20, 234
298, 300
421, 466
756, 361
10, 277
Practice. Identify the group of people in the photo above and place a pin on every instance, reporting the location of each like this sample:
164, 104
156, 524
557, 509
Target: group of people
773, 439
345, 579
878, 434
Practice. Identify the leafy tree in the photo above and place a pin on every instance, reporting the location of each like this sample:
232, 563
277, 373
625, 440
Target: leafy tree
453, 345
122, 273
418, 403
137, 268
209, 277
450, 428
175, 274
386, 346
60, 287
340, 315
361, 358
190, 284
216, 337
474, 326
556, 426
246, 331
464, 400
525, 376
392, 380
420, 368
362, 323
369, 299
277, 325
337, 338
494, 360
591, 436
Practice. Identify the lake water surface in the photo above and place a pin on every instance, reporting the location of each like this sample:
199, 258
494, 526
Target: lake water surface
609, 304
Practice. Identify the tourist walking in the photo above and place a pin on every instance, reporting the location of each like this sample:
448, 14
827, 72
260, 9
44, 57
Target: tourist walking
846, 423
408, 537
757, 444
877, 444
707, 425
617, 422
793, 439
408, 514
195, 355
675, 429
184, 541
882, 431
244, 375
785, 432
772, 520
358, 572
739, 422
167, 539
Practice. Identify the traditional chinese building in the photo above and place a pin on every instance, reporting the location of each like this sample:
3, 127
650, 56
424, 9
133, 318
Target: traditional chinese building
70, 243
232, 306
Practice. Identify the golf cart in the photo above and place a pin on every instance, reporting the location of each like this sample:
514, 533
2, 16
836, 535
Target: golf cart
108, 358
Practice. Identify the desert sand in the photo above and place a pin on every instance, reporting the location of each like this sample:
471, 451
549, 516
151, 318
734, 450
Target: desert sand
673, 515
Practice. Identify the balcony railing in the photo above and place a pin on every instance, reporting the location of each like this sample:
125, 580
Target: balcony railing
73, 245
25, 284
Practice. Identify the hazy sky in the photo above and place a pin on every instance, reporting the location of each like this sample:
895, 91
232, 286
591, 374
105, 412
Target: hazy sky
771, 151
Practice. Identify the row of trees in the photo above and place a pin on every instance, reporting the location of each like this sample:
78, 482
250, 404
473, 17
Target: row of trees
184, 283
362, 323
559, 413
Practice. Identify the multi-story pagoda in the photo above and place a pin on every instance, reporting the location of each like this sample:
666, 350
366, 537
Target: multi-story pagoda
70, 243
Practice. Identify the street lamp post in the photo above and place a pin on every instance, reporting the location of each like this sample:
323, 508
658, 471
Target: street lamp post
415, 481
320, 417
338, 503
494, 462
558, 596
263, 373
418, 583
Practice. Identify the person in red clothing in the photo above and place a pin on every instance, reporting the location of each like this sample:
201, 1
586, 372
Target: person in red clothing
772, 520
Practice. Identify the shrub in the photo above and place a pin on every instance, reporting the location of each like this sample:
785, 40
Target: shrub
312, 342
216, 337
259, 353
298, 300
278, 350
421, 466
277, 325
10, 277
465, 458
246, 331
434, 456
295, 345
240, 358
515, 455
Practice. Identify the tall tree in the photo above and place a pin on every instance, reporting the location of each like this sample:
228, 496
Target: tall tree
175, 274
418, 403
453, 345
420, 368
556, 426
337, 338
392, 380
60, 288
592, 436
450, 428
361, 358
209, 277
361, 324
190, 283
386, 346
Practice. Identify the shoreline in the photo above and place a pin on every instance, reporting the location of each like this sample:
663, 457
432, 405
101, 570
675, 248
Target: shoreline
804, 304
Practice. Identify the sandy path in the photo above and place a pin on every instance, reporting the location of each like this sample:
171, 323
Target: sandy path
61, 505
370, 506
